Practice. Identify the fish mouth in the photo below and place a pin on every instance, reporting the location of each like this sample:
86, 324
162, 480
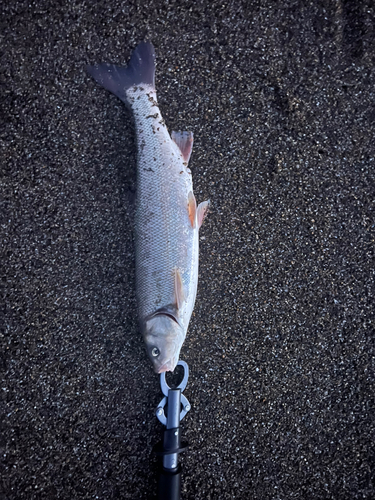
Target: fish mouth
166, 367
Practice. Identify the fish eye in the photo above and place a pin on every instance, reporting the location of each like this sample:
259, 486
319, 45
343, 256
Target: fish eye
155, 352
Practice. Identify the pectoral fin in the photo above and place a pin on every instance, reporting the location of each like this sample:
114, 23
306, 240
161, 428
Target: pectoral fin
178, 288
202, 211
184, 141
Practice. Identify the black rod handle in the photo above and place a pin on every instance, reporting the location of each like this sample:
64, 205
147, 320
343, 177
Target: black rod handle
169, 484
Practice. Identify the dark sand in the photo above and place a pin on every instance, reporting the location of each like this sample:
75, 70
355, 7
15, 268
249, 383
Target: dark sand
281, 345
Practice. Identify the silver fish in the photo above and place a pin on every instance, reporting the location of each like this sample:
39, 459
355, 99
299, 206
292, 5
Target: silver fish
167, 217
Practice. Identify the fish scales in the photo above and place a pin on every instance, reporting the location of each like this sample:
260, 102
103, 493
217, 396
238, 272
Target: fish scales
167, 219
164, 237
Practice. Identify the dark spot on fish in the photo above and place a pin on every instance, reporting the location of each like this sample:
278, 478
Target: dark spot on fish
181, 172
184, 163
141, 88
148, 169
154, 159
153, 116
152, 100
158, 128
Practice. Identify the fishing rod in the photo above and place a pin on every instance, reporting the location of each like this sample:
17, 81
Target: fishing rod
170, 411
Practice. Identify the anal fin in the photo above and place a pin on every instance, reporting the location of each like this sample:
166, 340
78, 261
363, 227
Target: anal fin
184, 141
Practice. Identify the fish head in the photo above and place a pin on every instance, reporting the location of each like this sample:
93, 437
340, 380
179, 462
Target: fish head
164, 337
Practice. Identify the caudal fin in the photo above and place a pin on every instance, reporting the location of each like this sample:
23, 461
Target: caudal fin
118, 79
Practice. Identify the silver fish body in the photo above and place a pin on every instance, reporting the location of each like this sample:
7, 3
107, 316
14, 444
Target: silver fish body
167, 218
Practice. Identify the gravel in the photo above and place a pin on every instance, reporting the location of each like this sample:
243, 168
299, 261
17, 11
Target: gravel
280, 97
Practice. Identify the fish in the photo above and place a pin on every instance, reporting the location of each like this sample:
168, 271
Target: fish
167, 216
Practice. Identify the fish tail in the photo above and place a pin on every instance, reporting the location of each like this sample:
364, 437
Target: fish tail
118, 79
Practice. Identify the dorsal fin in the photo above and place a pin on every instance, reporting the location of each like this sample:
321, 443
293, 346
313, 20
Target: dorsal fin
184, 141
202, 211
